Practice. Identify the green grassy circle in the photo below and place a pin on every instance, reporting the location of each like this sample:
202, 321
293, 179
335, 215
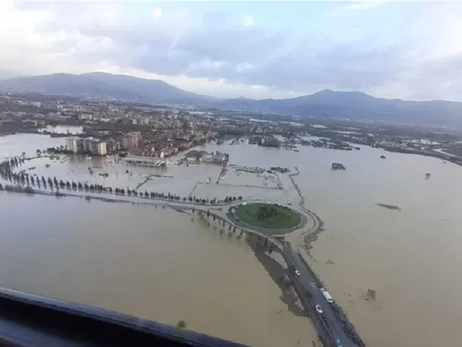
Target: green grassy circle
269, 216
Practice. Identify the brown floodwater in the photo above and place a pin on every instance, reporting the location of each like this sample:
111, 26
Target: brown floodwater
410, 257
149, 262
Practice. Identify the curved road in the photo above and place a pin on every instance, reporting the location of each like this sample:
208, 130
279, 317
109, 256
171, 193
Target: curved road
331, 325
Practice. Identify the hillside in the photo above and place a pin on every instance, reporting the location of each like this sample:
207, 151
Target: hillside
102, 85
327, 103
358, 106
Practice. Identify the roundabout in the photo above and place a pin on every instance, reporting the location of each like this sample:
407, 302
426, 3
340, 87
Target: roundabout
267, 218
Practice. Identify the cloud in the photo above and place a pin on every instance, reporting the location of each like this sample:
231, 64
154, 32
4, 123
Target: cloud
363, 5
157, 13
215, 55
357, 6
248, 21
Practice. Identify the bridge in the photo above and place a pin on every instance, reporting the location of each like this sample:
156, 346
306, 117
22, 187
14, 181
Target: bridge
332, 325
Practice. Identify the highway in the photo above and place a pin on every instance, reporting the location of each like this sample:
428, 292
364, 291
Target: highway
330, 324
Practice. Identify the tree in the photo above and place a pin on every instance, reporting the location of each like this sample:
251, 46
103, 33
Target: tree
146, 194
240, 198
181, 324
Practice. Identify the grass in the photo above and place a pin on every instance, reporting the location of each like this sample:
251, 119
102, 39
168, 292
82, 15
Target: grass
270, 216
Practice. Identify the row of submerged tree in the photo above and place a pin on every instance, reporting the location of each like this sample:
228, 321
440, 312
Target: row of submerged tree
25, 180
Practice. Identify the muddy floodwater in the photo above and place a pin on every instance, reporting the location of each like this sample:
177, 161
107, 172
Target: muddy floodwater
396, 272
149, 262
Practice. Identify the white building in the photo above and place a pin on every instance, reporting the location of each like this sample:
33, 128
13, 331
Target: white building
87, 145
102, 149
72, 144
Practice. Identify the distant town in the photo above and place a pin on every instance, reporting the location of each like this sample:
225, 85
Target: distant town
160, 131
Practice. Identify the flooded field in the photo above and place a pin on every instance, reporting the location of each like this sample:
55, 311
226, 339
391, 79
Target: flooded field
409, 257
147, 262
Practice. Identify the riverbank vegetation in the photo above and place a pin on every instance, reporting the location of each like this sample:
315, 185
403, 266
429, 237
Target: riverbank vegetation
271, 216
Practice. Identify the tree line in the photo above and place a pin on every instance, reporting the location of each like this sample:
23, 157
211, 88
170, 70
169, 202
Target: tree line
25, 180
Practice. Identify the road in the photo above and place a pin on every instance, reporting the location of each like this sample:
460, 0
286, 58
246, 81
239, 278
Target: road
330, 325
329, 322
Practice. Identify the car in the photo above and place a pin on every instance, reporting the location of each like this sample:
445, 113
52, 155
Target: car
338, 343
297, 272
327, 295
318, 308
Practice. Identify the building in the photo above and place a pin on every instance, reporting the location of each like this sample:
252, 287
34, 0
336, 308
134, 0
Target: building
87, 145
131, 140
72, 144
85, 116
112, 146
102, 150
143, 121
145, 161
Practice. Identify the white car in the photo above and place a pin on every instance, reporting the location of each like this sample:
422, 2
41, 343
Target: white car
297, 272
318, 308
327, 295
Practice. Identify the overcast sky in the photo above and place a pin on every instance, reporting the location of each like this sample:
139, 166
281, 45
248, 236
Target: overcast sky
408, 50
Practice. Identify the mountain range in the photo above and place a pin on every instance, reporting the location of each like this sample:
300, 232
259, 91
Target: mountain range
326, 103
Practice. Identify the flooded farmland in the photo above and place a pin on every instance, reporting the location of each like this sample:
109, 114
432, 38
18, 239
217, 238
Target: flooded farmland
404, 256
